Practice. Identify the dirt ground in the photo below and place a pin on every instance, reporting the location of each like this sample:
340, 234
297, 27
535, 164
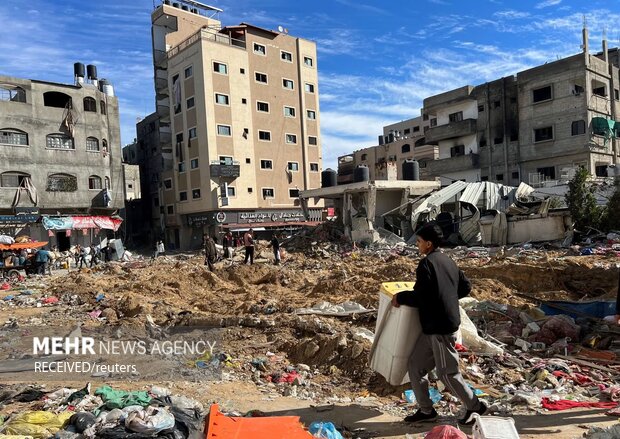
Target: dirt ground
254, 306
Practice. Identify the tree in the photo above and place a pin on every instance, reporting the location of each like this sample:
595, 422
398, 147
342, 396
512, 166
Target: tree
612, 217
581, 202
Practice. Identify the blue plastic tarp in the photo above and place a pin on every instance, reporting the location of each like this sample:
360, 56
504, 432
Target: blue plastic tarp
598, 309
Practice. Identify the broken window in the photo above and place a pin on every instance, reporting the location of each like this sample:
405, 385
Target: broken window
12, 93
456, 117
56, 99
405, 148
548, 172
578, 127
498, 140
541, 94
601, 170
543, 134
599, 88
61, 183
457, 150
94, 182
13, 137
13, 179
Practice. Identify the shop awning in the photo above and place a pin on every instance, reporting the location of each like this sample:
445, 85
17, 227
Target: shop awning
23, 245
81, 222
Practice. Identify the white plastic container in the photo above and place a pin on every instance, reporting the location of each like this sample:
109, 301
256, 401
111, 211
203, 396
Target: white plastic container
494, 427
396, 338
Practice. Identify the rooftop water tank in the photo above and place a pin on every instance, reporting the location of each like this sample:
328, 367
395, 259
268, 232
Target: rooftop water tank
92, 71
361, 173
411, 170
329, 178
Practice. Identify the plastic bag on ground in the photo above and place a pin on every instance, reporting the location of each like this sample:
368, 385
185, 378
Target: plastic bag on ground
445, 432
472, 340
150, 421
324, 430
37, 424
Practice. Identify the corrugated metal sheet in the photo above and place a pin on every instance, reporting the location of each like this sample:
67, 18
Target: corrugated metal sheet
438, 198
524, 190
472, 193
493, 197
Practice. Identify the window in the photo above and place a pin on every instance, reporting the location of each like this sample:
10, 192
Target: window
242, 71
262, 106
231, 191
193, 164
189, 71
181, 167
311, 114
499, 177
541, 94
59, 141
248, 160
221, 99
92, 144
168, 183
223, 130
12, 93
515, 175
56, 99
543, 134
292, 166
547, 172
170, 209
416, 129
364, 157
264, 135
221, 68
104, 146
61, 183
314, 167
286, 56
484, 178
266, 164
190, 103
107, 183
289, 112
268, 192
291, 138
259, 49
309, 87
598, 91
293, 193
482, 143
191, 133
244, 101
176, 86
250, 190
578, 127
195, 193
480, 108
405, 148
260, 77
514, 136
94, 182
601, 170
179, 139
456, 117
312, 140
288, 84
425, 117
497, 140
13, 179
433, 122
308, 62
102, 105
497, 104
13, 137
90, 104
577, 89
457, 150
616, 94
183, 196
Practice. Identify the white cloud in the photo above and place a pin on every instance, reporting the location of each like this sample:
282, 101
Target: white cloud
547, 3
511, 14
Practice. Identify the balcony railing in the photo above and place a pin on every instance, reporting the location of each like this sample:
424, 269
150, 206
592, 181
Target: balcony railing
206, 34
451, 130
453, 164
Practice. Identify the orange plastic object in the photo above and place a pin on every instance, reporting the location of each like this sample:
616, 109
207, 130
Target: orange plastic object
23, 245
276, 427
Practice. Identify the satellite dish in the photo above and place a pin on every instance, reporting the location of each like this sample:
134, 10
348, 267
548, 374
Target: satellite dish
280, 29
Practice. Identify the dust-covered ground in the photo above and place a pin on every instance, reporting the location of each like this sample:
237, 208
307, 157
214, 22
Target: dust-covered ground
254, 306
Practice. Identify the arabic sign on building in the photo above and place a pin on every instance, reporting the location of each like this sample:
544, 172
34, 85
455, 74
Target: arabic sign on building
224, 217
18, 219
226, 171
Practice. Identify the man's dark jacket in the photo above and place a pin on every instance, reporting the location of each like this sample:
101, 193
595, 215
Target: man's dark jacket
439, 286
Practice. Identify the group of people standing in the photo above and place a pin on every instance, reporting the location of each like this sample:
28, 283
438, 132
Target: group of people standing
229, 243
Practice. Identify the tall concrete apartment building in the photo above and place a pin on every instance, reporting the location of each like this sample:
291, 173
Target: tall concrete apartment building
536, 127
237, 125
60, 160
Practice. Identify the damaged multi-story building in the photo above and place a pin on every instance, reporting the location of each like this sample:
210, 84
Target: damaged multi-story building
236, 134
61, 179
536, 127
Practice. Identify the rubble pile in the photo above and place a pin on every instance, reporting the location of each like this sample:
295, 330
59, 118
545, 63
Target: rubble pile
304, 330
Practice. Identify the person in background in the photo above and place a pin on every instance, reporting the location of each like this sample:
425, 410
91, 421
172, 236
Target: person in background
210, 252
41, 259
248, 242
227, 244
275, 244
439, 286
161, 249
94, 255
618, 301
81, 256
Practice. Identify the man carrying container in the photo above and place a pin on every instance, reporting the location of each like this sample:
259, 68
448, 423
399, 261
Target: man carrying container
439, 286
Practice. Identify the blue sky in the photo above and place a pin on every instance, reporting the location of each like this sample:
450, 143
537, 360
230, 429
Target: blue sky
377, 60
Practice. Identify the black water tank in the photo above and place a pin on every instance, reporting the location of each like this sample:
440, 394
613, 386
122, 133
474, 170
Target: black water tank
79, 69
176, 5
411, 170
329, 178
185, 8
166, 2
361, 173
92, 71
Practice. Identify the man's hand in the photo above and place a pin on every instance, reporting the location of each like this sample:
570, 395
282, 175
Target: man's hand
395, 303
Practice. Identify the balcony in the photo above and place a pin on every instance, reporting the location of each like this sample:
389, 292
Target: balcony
453, 164
451, 130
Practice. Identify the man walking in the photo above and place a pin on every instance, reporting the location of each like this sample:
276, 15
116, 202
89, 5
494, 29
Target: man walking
275, 244
41, 259
227, 244
210, 252
248, 242
94, 255
439, 286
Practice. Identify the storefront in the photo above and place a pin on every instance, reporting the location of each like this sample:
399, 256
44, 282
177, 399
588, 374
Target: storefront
83, 230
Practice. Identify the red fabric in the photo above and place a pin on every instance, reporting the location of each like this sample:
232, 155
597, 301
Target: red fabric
565, 404
445, 432
460, 348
